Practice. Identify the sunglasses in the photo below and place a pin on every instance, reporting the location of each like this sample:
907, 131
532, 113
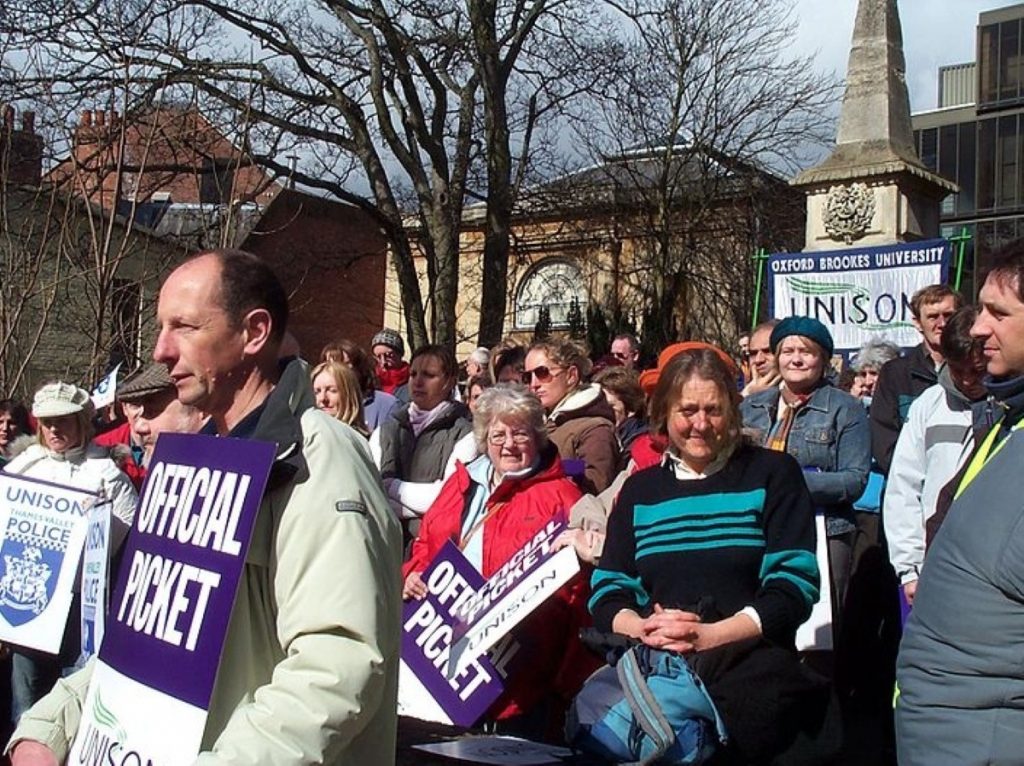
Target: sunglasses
542, 373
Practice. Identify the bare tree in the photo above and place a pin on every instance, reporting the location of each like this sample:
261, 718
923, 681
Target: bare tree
707, 116
426, 97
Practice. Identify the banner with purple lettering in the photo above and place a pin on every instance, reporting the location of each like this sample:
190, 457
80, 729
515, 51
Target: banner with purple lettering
172, 600
44, 528
424, 689
535, 572
859, 293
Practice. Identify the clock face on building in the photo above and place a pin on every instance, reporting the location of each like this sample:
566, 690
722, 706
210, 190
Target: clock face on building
551, 283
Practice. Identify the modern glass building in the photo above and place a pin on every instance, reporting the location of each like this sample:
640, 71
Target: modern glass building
976, 138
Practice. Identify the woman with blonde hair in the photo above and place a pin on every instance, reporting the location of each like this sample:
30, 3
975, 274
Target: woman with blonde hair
337, 392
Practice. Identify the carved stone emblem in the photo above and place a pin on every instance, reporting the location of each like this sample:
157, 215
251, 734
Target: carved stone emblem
848, 212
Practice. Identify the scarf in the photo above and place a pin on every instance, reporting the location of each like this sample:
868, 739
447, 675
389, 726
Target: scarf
779, 433
389, 380
420, 419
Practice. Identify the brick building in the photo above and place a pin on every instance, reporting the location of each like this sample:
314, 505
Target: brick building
331, 257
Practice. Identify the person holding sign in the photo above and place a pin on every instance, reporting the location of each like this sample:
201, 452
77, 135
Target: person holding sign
309, 668
492, 508
64, 456
711, 553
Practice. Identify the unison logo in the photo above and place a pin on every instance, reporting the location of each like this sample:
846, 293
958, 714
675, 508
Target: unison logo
103, 742
837, 303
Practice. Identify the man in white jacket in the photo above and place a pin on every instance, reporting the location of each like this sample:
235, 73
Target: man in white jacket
935, 440
309, 671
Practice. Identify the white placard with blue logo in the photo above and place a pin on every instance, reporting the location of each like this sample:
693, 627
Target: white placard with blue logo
860, 293
43, 531
94, 579
106, 389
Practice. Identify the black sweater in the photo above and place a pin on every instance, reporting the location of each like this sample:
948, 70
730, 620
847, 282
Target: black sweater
743, 536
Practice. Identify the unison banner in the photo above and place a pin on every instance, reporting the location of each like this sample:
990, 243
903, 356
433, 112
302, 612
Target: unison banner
43, 532
522, 584
860, 293
94, 579
424, 689
151, 686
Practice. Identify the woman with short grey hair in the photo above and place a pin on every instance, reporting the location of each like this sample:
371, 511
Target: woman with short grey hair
491, 508
867, 364
510, 403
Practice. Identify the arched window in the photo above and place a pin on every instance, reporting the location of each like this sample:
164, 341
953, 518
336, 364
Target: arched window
553, 283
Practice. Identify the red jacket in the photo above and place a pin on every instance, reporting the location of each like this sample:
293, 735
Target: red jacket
122, 435
550, 659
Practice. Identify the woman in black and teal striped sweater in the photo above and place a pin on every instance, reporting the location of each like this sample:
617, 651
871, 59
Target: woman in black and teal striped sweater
711, 554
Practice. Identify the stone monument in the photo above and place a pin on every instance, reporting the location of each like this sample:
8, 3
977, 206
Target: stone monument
873, 189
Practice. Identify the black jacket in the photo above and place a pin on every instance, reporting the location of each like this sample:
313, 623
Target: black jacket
899, 383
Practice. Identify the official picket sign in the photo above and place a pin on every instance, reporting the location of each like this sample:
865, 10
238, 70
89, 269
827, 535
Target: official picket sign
43, 527
535, 572
860, 293
94, 578
153, 678
424, 689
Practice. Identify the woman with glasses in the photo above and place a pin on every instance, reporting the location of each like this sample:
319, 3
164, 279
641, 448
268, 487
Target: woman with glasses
580, 421
491, 508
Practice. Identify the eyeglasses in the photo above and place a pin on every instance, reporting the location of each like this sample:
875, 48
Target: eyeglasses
499, 438
542, 373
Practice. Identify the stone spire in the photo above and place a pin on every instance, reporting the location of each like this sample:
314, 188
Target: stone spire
876, 107
875, 144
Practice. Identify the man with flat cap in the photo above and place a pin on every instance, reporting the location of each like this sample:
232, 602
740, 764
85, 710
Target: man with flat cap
151, 406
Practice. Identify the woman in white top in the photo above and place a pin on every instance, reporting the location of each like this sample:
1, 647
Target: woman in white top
63, 455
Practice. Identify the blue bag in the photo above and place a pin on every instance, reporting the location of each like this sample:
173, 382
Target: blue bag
648, 708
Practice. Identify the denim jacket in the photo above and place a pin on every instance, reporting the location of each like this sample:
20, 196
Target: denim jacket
831, 440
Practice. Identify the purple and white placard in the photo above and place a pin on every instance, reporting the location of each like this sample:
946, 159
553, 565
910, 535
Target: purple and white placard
524, 582
172, 600
42, 530
424, 689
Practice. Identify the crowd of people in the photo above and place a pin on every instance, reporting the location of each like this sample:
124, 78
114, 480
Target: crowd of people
690, 489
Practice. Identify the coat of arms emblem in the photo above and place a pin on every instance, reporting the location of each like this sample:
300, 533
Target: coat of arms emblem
27, 581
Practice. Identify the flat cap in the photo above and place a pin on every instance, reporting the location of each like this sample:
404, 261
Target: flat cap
55, 400
147, 381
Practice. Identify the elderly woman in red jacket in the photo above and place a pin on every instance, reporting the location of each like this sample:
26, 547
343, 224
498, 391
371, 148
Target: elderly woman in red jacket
491, 508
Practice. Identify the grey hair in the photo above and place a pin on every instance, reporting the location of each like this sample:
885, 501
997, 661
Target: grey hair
509, 402
481, 356
873, 354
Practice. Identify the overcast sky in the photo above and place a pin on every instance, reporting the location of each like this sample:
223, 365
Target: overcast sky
935, 32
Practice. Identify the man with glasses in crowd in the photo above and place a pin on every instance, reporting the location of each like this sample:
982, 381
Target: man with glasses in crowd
626, 349
392, 370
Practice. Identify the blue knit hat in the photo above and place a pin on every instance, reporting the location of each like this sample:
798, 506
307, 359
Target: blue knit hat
805, 326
